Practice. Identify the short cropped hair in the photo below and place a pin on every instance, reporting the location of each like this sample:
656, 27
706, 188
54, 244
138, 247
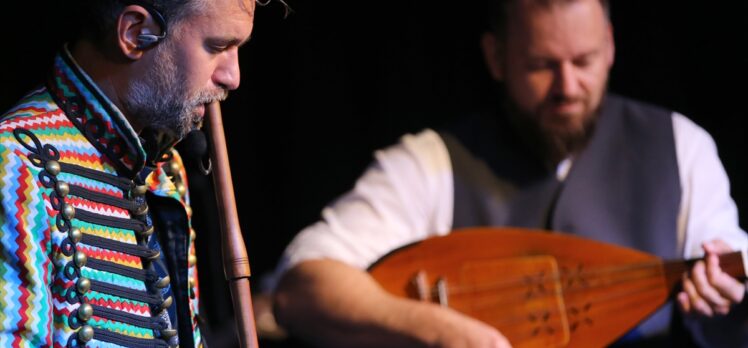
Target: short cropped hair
498, 12
98, 18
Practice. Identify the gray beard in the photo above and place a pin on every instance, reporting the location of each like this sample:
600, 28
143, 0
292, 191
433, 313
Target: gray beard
160, 99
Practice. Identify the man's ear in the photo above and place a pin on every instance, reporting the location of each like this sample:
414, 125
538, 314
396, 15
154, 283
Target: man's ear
134, 20
611, 49
493, 54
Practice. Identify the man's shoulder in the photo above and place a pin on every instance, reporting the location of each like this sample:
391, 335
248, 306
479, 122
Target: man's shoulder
635, 106
425, 150
36, 109
34, 122
426, 138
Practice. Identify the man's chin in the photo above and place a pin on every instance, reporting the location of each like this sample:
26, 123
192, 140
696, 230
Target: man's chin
195, 126
565, 120
200, 111
197, 118
563, 127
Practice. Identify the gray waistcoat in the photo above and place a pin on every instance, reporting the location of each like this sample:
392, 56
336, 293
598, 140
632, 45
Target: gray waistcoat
624, 188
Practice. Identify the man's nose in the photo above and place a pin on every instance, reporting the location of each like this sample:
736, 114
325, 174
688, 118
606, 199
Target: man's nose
566, 80
227, 73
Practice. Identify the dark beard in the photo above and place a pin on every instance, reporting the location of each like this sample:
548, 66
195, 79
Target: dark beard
550, 145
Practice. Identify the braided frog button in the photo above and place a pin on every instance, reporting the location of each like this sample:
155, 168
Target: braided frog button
85, 312
191, 290
167, 303
139, 191
154, 257
148, 231
181, 189
75, 235
80, 259
86, 333
141, 210
68, 211
163, 282
62, 188
168, 333
52, 167
83, 285
173, 168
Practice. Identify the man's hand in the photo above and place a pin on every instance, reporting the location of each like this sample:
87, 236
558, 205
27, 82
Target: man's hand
333, 304
460, 331
707, 290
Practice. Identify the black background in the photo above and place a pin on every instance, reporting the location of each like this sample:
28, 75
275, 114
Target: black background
336, 80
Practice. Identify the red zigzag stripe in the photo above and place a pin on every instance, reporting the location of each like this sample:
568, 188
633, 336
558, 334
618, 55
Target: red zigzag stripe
22, 257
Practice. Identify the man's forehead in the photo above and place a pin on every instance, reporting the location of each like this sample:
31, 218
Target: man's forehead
546, 3
224, 7
570, 29
523, 9
248, 6
532, 18
225, 10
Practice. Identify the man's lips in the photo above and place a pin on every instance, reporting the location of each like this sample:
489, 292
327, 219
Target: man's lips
569, 108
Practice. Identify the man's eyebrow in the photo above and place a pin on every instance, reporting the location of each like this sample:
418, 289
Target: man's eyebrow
233, 41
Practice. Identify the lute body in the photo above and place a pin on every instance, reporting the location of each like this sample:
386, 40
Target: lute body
539, 289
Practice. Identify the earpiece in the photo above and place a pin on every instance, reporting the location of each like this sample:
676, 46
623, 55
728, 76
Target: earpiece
146, 39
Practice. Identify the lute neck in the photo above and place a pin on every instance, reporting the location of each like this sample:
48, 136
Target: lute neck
733, 263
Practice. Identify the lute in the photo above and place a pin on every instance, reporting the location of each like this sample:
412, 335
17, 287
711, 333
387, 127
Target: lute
539, 289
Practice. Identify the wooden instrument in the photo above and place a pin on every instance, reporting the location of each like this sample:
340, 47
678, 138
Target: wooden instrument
539, 289
235, 260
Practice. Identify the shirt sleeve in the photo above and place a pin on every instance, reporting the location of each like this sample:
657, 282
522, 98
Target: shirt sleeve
707, 211
403, 197
25, 268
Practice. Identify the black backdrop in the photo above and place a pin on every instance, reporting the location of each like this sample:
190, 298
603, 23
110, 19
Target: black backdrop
336, 79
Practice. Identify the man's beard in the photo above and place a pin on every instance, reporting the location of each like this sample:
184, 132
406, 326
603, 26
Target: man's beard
161, 99
553, 142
